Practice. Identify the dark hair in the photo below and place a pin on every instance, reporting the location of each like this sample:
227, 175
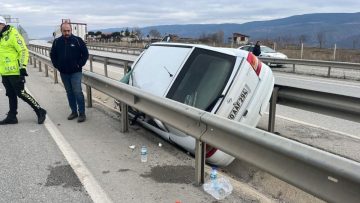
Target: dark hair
64, 24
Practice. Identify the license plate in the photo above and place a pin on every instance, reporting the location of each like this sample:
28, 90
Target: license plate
238, 103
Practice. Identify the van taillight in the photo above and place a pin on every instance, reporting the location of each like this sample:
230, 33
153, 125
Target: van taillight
254, 62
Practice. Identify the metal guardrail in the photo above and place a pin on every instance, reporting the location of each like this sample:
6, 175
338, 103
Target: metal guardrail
308, 168
326, 64
325, 175
331, 104
116, 49
332, 64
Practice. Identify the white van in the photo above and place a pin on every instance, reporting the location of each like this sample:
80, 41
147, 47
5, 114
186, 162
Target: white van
228, 82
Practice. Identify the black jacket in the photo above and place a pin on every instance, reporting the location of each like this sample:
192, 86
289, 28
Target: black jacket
69, 55
256, 51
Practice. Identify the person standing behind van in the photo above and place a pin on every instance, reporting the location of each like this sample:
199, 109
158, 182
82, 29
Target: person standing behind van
68, 55
257, 51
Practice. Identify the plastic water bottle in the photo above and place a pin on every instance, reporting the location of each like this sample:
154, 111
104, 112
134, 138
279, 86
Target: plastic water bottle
213, 178
218, 187
143, 154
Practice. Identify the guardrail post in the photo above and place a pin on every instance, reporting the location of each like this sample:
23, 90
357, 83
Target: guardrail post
40, 70
88, 96
34, 62
199, 162
56, 76
124, 118
105, 67
46, 70
126, 63
31, 60
272, 110
91, 63
294, 68
329, 71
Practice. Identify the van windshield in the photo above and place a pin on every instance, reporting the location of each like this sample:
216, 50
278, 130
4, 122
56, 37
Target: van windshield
202, 79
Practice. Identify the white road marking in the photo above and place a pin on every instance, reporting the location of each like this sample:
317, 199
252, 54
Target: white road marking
315, 126
97, 194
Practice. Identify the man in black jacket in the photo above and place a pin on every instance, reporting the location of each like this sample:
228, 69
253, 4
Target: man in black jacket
68, 55
257, 50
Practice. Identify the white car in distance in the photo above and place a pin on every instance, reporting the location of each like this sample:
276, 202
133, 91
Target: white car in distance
266, 52
228, 82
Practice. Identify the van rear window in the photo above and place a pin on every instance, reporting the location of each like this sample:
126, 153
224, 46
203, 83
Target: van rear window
203, 78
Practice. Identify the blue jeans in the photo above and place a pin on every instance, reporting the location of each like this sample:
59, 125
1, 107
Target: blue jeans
72, 84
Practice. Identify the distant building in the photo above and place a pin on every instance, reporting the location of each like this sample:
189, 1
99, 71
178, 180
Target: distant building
239, 39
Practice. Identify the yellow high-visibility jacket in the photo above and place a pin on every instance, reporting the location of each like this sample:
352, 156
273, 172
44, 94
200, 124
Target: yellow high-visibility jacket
13, 52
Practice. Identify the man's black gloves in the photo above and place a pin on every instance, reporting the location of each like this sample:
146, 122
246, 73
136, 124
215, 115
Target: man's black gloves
23, 72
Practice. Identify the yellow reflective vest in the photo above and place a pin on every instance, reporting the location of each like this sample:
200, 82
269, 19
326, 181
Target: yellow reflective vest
13, 52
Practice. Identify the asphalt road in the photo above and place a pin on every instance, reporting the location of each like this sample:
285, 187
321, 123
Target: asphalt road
32, 168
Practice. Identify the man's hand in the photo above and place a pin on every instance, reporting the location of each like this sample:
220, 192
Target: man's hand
23, 72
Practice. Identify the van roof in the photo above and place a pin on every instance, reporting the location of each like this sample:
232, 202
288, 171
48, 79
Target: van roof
229, 51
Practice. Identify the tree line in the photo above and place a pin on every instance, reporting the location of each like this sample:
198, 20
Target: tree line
218, 37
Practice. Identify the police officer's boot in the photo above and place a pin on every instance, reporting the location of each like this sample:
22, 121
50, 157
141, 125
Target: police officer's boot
10, 119
41, 114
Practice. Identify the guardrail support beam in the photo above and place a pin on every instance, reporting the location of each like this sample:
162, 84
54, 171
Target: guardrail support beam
88, 96
124, 118
105, 67
40, 70
46, 70
55, 76
272, 110
199, 162
91, 63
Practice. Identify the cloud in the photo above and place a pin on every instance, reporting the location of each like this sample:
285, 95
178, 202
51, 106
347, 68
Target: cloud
46, 14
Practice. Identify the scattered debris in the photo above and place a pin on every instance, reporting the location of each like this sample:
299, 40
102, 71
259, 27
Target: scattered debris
33, 131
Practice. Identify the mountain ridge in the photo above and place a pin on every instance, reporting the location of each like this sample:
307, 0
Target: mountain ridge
340, 28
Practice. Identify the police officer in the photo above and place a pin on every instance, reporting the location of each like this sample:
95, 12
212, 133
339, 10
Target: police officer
13, 60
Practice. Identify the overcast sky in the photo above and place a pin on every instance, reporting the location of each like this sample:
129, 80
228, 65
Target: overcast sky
40, 17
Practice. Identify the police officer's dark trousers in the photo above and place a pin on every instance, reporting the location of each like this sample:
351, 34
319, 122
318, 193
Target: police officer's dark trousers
14, 86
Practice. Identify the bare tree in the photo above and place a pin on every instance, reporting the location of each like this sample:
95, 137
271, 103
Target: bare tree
303, 38
355, 42
321, 38
98, 33
220, 37
127, 32
138, 32
217, 37
287, 39
154, 33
